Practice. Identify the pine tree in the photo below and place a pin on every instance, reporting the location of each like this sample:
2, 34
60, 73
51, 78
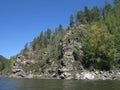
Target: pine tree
60, 29
71, 21
108, 7
41, 38
79, 17
26, 47
48, 34
95, 14
87, 14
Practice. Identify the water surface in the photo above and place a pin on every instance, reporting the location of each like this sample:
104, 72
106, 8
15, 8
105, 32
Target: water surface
37, 84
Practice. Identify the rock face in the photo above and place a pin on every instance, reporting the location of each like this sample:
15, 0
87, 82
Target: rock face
66, 69
18, 70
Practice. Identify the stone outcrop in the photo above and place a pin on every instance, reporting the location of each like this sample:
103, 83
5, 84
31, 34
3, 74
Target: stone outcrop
99, 75
18, 68
66, 69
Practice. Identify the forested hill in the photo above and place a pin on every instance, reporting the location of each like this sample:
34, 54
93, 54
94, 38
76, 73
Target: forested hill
101, 39
91, 42
3, 61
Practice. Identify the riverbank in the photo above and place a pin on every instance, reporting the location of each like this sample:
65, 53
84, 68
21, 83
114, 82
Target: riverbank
100, 75
85, 75
67, 69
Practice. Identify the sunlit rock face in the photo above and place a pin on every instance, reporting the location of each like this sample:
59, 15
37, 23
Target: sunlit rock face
18, 69
89, 76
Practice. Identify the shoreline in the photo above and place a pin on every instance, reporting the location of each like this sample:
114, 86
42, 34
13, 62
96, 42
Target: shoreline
85, 75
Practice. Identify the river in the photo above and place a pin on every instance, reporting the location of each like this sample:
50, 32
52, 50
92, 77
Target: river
37, 84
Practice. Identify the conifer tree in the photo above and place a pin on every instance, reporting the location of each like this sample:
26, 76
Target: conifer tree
95, 14
79, 17
87, 14
60, 29
71, 21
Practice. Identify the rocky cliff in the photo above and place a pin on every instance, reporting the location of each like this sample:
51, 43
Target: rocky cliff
66, 65
62, 67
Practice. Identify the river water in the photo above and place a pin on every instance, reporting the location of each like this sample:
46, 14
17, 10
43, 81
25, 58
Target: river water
37, 84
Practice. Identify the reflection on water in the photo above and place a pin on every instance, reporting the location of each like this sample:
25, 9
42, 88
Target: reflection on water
36, 84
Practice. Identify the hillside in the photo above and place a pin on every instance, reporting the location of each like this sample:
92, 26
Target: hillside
3, 61
51, 62
88, 49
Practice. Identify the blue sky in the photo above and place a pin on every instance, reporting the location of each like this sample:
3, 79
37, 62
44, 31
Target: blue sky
23, 20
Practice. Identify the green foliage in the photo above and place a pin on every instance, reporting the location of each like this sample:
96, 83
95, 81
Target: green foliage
72, 21
80, 17
87, 14
48, 34
3, 62
2, 66
108, 7
95, 14
116, 2
113, 23
99, 48
8, 66
60, 29
77, 53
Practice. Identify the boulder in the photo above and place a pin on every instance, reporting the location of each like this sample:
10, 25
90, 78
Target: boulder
88, 75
